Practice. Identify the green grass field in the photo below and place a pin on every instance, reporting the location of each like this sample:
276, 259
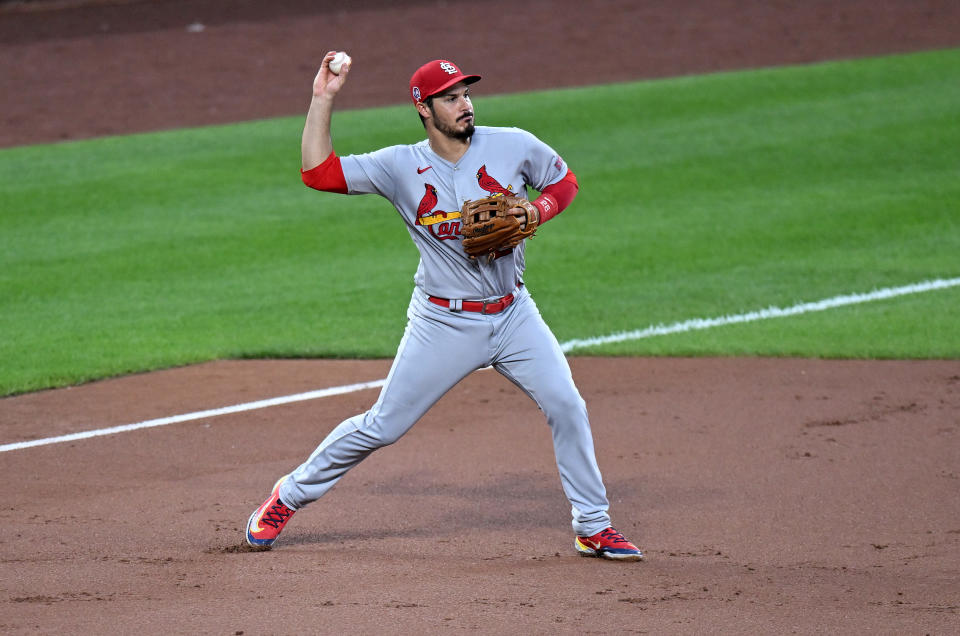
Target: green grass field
700, 196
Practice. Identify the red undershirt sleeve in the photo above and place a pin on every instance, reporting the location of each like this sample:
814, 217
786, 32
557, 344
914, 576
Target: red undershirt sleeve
554, 198
328, 176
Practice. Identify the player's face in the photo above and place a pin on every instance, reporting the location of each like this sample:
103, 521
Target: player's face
452, 112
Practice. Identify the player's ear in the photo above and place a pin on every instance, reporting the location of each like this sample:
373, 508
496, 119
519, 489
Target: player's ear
424, 110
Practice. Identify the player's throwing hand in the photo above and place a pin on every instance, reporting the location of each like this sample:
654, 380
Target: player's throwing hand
327, 83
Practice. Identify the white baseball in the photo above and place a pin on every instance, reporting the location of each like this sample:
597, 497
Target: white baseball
338, 60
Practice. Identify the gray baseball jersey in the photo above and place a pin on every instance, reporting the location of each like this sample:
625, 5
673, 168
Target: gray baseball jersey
429, 191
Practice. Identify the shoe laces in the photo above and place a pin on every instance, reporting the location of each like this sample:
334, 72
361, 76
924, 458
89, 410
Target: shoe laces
613, 536
277, 514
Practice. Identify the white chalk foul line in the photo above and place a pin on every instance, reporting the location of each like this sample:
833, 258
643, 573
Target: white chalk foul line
658, 330
163, 421
763, 314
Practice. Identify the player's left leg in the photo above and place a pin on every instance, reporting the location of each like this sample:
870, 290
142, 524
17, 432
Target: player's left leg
528, 354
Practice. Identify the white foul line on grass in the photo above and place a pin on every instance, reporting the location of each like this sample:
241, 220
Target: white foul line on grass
763, 314
658, 330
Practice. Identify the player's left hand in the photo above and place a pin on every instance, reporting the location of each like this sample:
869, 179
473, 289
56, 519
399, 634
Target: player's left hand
523, 214
496, 223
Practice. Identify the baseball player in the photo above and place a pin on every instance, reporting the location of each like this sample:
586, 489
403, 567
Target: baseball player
466, 312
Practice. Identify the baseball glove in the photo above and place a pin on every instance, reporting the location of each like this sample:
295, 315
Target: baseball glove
488, 227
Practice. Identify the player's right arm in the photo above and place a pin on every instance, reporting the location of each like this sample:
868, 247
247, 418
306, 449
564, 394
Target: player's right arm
316, 145
321, 168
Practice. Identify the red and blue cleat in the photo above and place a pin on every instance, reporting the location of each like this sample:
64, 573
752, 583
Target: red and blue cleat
268, 520
608, 544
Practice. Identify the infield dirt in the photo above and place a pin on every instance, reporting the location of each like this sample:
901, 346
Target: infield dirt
771, 496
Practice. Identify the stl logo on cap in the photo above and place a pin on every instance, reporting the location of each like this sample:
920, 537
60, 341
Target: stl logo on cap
449, 68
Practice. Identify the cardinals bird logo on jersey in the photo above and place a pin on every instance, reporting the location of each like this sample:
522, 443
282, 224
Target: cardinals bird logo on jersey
491, 185
442, 225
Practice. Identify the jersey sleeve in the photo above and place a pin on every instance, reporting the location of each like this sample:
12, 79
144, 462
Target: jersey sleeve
371, 173
542, 165
327, 176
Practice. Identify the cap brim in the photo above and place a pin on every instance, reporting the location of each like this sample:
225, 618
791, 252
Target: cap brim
466, 79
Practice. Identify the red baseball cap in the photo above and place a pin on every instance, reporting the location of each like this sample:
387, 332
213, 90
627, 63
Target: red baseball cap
435, 77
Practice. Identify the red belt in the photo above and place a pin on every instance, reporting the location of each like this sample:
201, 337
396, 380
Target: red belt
483, 307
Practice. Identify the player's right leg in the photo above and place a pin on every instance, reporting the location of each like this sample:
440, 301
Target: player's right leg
438, 349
